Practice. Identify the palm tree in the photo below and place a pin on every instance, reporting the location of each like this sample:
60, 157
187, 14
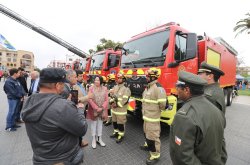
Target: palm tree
243, 25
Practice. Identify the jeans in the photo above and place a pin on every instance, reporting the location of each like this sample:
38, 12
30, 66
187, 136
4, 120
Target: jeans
13, 109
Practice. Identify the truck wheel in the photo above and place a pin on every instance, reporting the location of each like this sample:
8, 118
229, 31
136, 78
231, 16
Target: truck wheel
229, 97
225, 95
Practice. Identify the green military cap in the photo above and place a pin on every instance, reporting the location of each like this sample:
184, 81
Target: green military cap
210, 69
190, 79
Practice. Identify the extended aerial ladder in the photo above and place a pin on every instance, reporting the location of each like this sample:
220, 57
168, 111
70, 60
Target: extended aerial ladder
13, 15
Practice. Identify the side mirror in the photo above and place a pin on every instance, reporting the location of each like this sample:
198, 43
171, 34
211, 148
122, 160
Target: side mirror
191, 45
173, 64
118, 47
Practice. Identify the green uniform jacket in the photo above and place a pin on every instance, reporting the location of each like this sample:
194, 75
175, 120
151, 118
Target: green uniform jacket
197, 132
215, 94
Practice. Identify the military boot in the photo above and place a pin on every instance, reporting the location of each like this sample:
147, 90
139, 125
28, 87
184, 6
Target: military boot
153, 158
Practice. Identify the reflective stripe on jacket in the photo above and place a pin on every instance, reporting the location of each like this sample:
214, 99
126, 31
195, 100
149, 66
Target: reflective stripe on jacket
122, 93
154, 100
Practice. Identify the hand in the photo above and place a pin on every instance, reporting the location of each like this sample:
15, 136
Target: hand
99, 110
113, 105
104, 116
111, 91
69, 98
80, 105
90, 95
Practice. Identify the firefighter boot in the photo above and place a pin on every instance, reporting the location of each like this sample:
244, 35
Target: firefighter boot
114, 135
153, 158
108, 122
144, 147
119, 139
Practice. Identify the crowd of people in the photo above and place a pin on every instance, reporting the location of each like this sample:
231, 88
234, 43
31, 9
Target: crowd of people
58, 103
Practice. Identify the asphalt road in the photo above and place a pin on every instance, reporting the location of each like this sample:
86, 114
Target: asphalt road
15, 148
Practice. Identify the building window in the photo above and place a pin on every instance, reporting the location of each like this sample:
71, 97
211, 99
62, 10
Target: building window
9, 59
8, 54
15, 65
0, 53
0, 59
14, 59
27, 56
15, 55
8, 64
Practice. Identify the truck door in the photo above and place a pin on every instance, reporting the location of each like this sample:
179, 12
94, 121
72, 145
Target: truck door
113, 63
187, 60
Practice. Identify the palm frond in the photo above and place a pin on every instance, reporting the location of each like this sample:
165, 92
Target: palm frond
241, 31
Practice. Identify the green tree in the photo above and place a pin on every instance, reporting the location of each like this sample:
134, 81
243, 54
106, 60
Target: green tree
105, 44
243, 25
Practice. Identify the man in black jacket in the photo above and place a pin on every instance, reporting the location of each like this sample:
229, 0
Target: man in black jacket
22, 81
53, 124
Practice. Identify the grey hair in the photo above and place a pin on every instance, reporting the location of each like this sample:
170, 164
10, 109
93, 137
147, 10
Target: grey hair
36, 73
70, 72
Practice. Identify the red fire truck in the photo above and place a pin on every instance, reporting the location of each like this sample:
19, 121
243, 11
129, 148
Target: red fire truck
102, 63
171, 48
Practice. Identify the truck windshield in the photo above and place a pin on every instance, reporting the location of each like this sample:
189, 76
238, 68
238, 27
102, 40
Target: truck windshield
97, 61
147, 51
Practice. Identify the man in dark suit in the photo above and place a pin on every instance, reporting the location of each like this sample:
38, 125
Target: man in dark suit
34, 85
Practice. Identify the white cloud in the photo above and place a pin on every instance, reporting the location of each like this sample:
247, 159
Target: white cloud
83, 23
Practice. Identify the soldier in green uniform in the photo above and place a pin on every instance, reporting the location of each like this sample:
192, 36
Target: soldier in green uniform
213, 92
197, 132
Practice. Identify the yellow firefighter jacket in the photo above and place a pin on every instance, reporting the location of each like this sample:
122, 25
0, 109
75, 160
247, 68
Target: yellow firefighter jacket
154, 100
122, 94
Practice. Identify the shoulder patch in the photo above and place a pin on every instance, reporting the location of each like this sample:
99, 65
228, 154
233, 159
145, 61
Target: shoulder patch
208, 93
184, 110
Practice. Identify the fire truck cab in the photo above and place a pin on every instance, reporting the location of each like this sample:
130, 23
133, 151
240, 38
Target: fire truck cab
102, 63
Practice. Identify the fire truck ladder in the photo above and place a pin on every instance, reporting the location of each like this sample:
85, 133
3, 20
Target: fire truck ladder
6, 11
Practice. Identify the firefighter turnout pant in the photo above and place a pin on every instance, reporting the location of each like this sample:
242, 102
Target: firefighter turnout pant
152, 132
119, 118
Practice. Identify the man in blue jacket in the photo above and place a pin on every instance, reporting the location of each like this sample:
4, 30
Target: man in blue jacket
14, 92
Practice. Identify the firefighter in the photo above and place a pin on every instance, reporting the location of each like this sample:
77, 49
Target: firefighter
120, 95
110, 85
154, 100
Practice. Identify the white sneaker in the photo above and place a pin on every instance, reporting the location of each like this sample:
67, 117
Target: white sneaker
94, 143
100, 142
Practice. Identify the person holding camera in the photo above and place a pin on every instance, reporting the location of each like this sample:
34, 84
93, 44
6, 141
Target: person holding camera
71, 92
97, 110
52, 123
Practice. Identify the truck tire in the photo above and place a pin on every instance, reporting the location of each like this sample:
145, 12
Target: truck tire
225, 95
229, 97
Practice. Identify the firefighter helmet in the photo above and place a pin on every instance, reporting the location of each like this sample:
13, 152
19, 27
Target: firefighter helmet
111, 76
120, 75
104, 79
152, 72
